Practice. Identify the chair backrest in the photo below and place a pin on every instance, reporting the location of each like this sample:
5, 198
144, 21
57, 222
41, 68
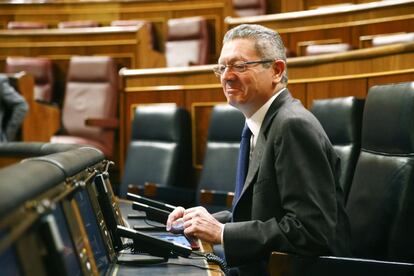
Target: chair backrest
222, 150
91, 92
187, 42
381, 40
319, 49
42, 71
26, 25
381, 200
78, 24
341, 118
160, 148
249, 7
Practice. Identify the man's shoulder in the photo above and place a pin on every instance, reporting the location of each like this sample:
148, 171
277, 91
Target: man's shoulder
293, 115
3, 78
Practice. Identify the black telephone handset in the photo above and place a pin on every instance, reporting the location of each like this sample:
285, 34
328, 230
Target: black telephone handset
152, 245
150, 202
153, 213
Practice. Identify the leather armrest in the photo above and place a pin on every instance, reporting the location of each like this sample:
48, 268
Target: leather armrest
102, 122
294, 265
51, 104
214, 197
168, 194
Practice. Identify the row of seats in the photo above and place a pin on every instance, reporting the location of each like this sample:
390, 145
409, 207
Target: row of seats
89, 109
153, 152
321, 47
158, 163
187, 40
152, 169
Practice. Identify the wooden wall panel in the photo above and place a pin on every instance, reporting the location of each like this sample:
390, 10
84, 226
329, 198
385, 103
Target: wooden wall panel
298, 91
336, 89
390, 79
200, 102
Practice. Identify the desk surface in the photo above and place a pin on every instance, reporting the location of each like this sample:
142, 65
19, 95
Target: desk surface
174, 266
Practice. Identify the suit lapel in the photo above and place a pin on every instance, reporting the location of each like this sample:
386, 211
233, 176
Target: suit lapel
261, 140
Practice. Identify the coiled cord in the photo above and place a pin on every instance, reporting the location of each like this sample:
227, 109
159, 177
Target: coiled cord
210, 257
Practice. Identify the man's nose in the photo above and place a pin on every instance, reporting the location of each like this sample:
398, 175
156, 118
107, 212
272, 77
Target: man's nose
228, 74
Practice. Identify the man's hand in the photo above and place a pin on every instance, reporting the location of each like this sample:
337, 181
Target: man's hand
199, 223
174, 216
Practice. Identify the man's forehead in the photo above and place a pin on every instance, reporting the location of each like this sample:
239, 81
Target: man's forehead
238, 49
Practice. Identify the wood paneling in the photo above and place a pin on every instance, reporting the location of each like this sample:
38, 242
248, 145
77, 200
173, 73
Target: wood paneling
129, 46
156, 11
346, 24
326, 76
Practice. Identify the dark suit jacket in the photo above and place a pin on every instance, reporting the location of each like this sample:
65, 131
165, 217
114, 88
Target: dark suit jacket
13, 109
291, 200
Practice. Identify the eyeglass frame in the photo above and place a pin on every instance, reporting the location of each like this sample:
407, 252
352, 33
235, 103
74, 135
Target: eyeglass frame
244, 64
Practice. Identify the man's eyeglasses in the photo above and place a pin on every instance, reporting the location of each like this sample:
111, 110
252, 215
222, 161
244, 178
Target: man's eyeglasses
239, 67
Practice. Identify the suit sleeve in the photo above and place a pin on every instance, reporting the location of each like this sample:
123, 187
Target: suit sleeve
17, 106
305, 180
223, 216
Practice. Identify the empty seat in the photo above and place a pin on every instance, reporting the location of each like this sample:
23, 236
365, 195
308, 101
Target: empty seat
90, 103
381, 40
218, 176
42, 71
159, 153
187, 42
380, 203
78, 24
319, 49
22, 25
249, 7
341, 118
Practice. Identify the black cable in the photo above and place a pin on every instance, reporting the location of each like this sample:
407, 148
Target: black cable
194, 265
210, 257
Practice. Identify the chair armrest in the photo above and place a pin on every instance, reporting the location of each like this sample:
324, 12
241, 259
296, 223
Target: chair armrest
293, 265
213, 197
170, 195
102, 122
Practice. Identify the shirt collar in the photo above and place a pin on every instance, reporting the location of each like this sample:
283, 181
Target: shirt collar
255, 121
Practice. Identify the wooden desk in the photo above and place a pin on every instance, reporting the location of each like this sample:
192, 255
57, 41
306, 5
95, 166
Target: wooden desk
156, 11
129, 46
301, 5
182, 265
197, 89
345, 24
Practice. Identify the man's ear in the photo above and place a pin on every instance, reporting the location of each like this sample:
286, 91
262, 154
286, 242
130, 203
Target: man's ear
278, 70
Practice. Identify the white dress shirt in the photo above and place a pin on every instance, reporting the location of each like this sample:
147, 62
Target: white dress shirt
254, 123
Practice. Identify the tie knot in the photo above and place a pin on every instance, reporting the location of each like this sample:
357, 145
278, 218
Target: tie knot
246, 132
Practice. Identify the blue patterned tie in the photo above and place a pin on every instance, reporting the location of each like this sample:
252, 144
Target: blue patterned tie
243, 162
